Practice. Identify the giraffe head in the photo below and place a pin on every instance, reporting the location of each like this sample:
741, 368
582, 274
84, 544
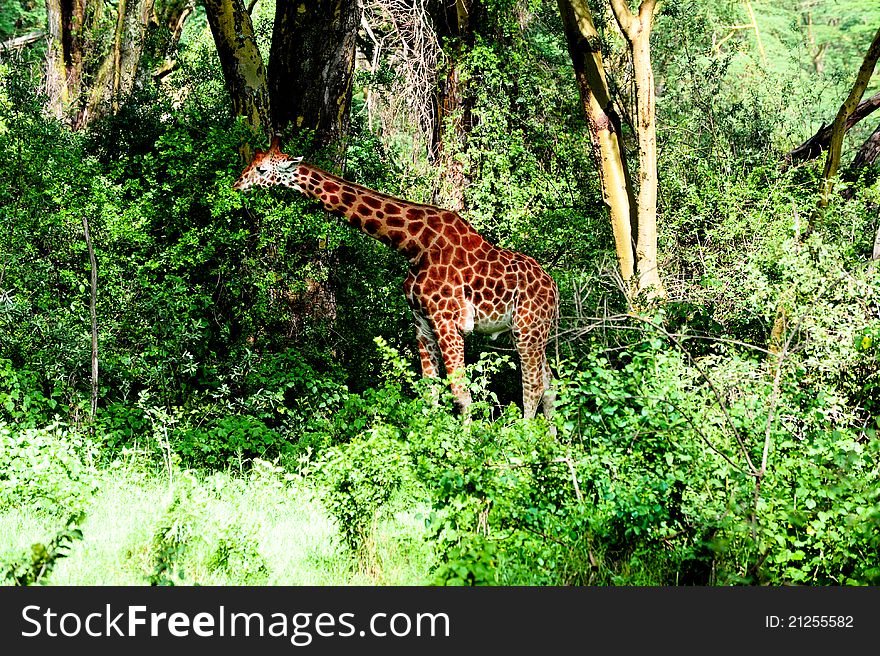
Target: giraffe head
269, 168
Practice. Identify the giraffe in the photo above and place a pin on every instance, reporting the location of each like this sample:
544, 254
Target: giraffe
458, 282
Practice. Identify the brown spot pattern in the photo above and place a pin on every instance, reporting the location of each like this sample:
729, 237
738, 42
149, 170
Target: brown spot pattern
457, 282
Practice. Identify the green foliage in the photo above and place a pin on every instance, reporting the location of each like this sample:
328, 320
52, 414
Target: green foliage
358, 480
175, 533
228, 439
48, 469
818, 522
23, 397
527, 152
213, 355
673, 459
495, 489
21, 16
236, 553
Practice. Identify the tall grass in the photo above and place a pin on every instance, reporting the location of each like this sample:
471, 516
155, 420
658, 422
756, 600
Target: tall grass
216, 529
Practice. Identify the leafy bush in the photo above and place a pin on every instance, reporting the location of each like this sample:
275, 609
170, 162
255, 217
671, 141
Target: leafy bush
236, 552
47, 469
225, 441
358, 480
175, 532
23, 396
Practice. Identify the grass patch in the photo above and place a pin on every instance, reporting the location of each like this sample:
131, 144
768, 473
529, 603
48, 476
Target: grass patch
266, 528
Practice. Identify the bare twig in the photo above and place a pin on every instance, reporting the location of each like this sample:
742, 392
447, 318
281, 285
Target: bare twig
774, 399
374, 66
93, 312
403, 30
577, 489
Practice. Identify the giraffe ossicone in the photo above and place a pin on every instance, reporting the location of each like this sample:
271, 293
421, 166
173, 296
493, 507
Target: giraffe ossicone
457, 283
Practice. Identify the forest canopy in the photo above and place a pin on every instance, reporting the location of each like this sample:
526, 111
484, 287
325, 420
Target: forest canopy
699, 178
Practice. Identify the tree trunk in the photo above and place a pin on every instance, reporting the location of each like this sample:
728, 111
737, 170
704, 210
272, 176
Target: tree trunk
838, 129
311, 67
66, 26
241, 62
116, 76
89, 71
637, 31
586, 56
869, 151
454, 23
311, 71
170, 16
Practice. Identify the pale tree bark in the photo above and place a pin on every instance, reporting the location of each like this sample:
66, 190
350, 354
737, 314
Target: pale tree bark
636, 28
586, 55
242, 64
838, 129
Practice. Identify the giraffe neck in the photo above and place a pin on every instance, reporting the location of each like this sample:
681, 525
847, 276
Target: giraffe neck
409, 228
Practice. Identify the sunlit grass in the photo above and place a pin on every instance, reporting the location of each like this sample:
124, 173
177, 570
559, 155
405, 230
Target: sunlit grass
273, 526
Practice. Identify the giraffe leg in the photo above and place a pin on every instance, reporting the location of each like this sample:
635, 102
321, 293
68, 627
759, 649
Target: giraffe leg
530, 338
533, 380
429, 350
451, 344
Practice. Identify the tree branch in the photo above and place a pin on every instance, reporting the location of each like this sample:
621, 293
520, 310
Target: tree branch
23, 40
623, 14
838, 129
93, 287
647, 9
818, 143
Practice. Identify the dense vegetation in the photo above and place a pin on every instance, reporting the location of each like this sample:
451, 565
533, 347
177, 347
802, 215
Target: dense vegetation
726, 434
